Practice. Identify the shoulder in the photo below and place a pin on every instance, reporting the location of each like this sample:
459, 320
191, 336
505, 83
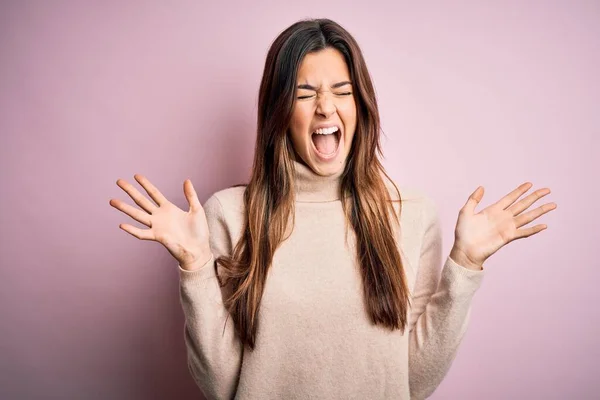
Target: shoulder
419, 219
226, 203
419, 212
224, 216
414, 199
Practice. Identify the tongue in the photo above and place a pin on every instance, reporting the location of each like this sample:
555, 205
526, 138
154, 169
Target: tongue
326, 144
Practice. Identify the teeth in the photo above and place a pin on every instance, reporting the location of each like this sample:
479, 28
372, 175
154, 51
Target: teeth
326, 131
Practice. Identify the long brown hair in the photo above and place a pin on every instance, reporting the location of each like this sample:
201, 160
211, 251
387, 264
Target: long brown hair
269, 196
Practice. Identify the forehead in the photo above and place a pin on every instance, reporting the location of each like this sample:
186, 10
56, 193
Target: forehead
327, 65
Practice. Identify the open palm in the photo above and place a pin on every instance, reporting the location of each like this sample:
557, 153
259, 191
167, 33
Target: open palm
479, 235
184, 234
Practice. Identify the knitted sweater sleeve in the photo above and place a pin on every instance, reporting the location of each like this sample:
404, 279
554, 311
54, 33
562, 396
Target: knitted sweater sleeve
214, 351
440, 308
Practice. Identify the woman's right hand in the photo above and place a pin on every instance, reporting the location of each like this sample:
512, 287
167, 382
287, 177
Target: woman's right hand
184, 234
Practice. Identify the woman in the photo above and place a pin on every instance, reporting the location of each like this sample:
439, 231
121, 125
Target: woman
320, 278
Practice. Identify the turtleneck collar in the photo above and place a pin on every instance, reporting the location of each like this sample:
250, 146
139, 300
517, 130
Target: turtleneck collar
313, 188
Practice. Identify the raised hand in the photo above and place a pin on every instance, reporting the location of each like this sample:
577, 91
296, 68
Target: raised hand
478, 236
184, 234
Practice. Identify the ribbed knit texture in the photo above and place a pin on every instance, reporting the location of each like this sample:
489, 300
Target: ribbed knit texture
314, 339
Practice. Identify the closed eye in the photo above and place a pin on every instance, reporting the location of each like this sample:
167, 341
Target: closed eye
339, 94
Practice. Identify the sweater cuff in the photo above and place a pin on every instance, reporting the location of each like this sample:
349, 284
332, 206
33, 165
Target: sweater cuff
459, 280
207, 270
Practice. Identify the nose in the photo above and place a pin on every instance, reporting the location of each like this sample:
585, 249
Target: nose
325, 105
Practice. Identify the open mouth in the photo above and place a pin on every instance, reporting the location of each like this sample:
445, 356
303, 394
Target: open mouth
327, 141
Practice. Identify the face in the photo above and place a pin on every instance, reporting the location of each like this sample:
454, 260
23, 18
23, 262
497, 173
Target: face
324, 101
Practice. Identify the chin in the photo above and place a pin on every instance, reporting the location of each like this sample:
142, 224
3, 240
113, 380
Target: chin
329, 168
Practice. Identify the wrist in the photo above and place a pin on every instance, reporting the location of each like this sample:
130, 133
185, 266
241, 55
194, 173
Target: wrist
200, 262
463, 260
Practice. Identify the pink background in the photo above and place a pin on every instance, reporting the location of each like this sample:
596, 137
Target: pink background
481, 93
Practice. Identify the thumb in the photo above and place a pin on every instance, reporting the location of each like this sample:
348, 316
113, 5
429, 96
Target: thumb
473, 200
190, 195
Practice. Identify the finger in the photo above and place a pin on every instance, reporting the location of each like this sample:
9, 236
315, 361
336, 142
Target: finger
133, 212
156, 195
139, 199
191, 195
512, 196
525, 203
473, 200
143, 234
529, 216
526, 232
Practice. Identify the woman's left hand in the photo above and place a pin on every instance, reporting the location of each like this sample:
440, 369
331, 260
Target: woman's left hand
479, 235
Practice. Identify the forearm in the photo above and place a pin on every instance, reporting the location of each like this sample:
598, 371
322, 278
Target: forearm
213, 350
438, 331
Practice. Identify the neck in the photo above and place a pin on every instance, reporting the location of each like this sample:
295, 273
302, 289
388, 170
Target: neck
311, 187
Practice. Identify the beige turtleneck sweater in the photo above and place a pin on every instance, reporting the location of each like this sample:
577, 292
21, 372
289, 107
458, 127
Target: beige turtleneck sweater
314, 338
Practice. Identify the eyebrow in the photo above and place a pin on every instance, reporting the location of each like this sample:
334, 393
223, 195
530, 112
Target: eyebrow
334, 86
